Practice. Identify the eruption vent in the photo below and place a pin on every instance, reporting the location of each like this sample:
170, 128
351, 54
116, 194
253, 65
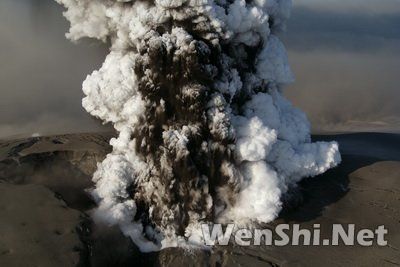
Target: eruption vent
205, 135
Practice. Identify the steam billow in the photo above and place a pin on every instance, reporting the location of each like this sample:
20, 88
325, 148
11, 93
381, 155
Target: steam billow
193, 88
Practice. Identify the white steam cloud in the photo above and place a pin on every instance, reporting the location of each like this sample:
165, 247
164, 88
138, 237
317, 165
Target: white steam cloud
205, 135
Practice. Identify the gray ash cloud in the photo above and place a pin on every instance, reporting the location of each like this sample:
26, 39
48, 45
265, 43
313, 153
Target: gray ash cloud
205, 135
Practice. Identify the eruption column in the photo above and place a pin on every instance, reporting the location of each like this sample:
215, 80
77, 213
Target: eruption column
193, 88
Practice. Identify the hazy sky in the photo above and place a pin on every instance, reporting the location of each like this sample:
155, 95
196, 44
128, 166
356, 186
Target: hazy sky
345, 55
41, 72
346, 58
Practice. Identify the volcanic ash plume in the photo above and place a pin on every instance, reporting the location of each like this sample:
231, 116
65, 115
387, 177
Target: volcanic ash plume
205, 135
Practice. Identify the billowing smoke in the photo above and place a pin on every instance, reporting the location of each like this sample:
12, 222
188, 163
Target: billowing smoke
205, 135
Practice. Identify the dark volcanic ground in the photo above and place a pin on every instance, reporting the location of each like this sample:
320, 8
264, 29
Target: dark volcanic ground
44, 206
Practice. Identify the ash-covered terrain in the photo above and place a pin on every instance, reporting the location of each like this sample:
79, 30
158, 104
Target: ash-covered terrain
44, 208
